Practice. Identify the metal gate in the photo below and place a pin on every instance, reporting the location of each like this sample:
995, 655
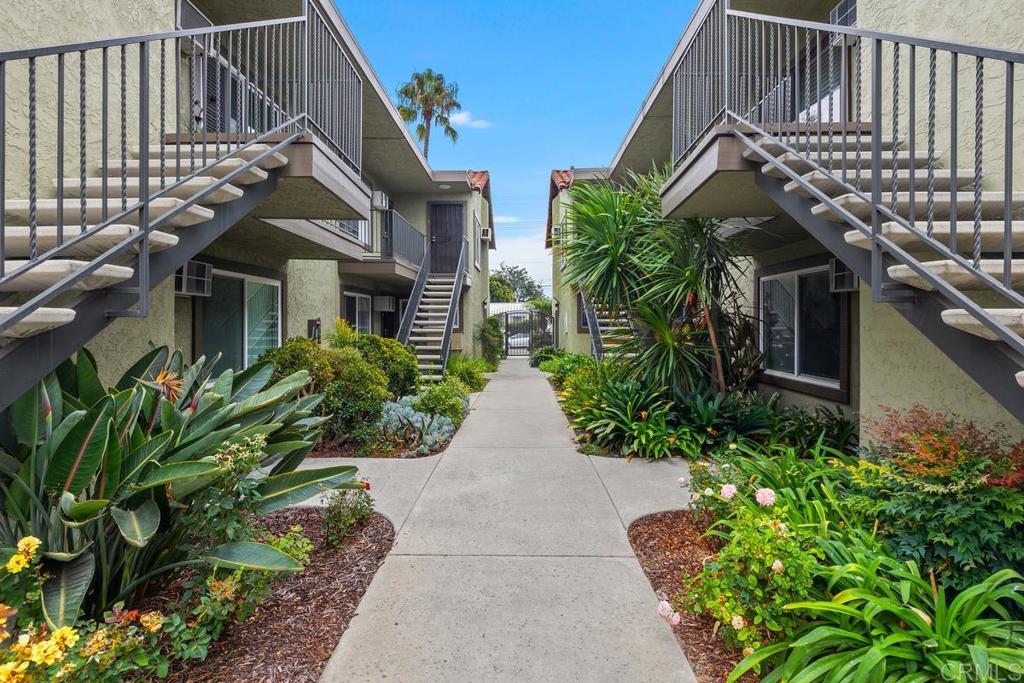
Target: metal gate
526, 331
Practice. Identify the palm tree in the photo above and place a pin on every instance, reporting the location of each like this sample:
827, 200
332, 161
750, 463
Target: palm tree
430, 99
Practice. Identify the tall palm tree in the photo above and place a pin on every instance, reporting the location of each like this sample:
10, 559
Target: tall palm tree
430, 99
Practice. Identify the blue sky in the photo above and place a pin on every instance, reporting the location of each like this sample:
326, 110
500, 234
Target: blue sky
546, 84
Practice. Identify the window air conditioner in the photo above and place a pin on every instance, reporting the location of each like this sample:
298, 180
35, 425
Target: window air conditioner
195, 278
384, 304
485, 234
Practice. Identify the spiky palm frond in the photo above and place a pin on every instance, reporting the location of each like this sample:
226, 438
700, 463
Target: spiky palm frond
430, 99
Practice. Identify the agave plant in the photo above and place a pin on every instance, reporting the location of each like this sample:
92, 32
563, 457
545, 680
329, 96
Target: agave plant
887, 622
104, 477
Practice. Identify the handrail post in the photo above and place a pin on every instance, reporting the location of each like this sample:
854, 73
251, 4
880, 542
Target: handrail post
876, 169
726, 65
144, 226
305, 66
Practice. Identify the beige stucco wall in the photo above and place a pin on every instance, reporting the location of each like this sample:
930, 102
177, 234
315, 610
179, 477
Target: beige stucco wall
125, 340
313, 292
569, 336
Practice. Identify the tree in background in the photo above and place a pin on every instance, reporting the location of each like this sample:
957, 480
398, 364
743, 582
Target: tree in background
522, 283
429, 98
541, 305
501, 290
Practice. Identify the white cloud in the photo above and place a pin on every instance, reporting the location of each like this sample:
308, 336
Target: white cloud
527, 251
506, 219
464, 119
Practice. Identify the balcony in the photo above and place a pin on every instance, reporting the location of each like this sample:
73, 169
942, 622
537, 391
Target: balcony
394, 247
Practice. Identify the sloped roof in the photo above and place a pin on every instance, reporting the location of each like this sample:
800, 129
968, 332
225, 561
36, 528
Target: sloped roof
481, 182
560, 180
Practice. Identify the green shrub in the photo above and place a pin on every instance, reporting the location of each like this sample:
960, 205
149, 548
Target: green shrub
491, 339
544, 353
947, 494
343, 511
469, 371
449, 398
299, 353
708, 422
630, 417
343, 335
766, 565
802, 428
355, 399
564, 366
395, 360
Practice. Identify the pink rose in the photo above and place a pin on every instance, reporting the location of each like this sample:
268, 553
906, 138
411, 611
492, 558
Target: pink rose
728, 491
664, 609
765, 497
675, 619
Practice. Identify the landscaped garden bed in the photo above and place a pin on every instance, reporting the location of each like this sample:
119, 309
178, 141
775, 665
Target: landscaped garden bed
291, 635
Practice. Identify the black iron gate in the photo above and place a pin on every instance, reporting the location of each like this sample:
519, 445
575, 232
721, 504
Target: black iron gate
526, 331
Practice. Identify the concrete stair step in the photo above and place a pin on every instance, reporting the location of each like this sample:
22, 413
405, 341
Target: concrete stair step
992, 205
17, 211
432, 378
833, 186
991, 235
802, 165
221, 169
186, 151
111, 187
36, 322
17, 240
813, 143
956, 276
1012, 318
52, 271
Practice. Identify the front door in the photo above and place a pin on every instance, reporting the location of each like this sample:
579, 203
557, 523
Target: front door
446, 229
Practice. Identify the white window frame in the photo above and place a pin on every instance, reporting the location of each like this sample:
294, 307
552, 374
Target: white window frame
477, 227
245, 278
761, 337
369, 313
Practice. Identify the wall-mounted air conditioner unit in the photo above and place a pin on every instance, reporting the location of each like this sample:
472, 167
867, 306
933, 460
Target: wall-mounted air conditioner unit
384, 304
381, 201
841, 278
485, 234
195, 278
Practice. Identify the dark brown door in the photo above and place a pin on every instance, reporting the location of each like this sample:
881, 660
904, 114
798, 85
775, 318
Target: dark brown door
446, 229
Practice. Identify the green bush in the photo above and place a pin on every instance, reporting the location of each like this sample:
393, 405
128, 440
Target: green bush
947, 494
766, 565
491, 339
395, 360
355, 399
299, 353
469, 371
343, 335
343, 511
544, 353
449, 398
630, 417
562, 367
802, 428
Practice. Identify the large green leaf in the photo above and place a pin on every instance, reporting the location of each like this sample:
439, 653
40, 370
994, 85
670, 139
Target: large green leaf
76, 461
29, 416
252, 556
55, 396
281, 490
64, 590
152, 449
178, 470
145, 369
251, 380
286, 388
90, 389
291, 461
137, 526
83, 511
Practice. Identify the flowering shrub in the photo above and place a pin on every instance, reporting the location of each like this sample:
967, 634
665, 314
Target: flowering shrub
765, 565
344, 510
946, 493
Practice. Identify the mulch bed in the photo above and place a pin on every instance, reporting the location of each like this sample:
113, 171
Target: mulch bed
670, 547
292, 634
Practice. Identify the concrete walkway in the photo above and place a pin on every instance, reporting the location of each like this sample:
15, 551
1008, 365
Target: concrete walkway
511, 561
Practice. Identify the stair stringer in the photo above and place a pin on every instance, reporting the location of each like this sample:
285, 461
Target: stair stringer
25, 362
992, 365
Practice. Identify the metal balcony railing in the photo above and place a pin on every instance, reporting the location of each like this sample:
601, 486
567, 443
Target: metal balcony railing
400, 240
149, 114
843, 99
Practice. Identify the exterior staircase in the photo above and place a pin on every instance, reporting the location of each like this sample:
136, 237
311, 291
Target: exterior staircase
609, 329
428, 327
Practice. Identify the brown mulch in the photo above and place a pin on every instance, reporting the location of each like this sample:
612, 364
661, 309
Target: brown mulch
670, 547
291, 635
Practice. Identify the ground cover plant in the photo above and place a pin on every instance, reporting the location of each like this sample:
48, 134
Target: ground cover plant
469, 371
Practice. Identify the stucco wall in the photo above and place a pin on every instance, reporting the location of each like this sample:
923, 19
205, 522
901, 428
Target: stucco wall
569, 337
313, 292
125, 340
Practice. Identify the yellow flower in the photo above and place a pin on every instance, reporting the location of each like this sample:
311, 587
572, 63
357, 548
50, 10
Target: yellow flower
46, 653
28, 546
16, 563
152, 621
65, 670
65, 637
97, 643
13, 672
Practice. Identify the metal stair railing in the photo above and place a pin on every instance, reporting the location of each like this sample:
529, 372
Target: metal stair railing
453, 305
218, 91
415, 297
760, 67
594, 326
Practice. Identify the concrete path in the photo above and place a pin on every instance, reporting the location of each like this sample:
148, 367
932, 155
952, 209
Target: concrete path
511, 561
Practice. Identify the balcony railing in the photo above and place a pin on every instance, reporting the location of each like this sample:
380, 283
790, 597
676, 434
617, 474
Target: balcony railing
871, 110
399, 239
